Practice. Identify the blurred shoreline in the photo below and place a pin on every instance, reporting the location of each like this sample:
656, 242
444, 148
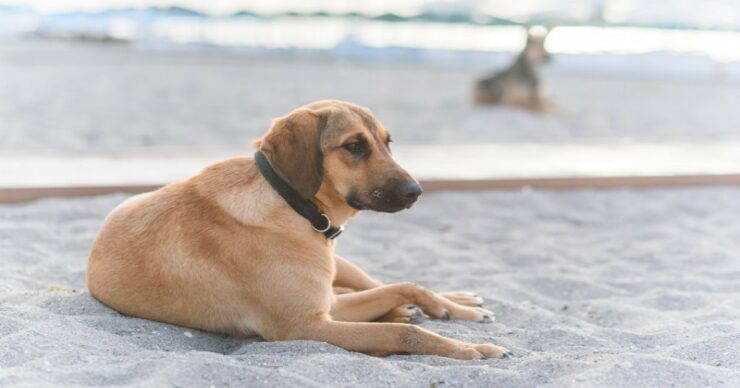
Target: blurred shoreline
62, 96
461, 38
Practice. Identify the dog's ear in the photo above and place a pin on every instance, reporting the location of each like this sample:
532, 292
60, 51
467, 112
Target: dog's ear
293, 147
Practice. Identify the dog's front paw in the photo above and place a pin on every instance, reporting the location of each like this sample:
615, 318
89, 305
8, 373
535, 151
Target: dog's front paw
492, 351
486, 315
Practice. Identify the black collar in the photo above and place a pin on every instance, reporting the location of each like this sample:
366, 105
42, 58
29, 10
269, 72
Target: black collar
319, 221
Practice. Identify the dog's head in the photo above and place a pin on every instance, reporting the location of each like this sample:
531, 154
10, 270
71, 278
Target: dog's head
535, 52
343, 150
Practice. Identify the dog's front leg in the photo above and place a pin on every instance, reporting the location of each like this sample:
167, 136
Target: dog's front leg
383, 302
377, 303
350, 276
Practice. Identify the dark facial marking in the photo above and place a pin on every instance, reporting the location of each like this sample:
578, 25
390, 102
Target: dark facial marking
357, 147
354, 201
393, 196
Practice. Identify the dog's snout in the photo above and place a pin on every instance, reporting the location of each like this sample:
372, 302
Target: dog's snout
409, 191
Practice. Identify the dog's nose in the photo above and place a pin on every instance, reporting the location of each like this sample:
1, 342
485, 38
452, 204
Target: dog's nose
409, 191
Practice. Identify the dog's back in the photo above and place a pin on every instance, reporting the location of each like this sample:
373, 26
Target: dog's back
519, 84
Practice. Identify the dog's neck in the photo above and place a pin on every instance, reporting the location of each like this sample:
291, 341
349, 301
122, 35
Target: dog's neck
333, 204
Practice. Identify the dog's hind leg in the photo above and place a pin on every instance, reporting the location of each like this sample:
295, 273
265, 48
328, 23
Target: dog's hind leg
390, 338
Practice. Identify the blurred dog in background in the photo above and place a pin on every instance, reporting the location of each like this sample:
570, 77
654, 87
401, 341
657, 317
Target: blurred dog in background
519, 85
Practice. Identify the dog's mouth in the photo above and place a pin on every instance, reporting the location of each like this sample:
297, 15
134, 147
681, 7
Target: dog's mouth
380, 201
354, 201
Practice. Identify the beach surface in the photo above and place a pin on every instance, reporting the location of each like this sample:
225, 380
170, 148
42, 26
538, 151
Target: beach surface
77, 98
590, 288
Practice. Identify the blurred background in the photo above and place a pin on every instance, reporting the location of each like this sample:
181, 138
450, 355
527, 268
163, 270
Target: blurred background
98, 76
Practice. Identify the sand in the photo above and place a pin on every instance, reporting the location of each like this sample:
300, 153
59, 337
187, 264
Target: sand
610, 288
79, 98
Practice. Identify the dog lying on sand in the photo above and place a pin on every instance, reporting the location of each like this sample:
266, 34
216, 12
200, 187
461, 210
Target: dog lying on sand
519, 85
246, 247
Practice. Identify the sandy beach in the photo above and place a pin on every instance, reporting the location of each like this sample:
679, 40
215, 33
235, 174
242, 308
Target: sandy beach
590, 288
633, 288
74, 97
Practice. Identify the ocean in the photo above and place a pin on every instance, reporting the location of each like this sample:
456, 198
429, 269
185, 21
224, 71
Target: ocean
580, 47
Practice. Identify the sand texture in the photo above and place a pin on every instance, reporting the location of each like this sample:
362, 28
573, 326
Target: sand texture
81, 98
609, 289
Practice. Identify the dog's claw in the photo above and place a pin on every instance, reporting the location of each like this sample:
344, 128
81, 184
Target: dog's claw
486, 318
446, 316
507, 355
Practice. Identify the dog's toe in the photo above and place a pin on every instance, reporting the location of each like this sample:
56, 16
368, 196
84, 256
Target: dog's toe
404, 314
416, 316
487, 318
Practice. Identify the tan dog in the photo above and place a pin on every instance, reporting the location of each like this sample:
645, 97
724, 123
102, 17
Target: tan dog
520, 85
223, 251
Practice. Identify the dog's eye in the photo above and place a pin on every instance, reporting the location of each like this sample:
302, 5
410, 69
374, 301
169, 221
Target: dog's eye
355, 148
